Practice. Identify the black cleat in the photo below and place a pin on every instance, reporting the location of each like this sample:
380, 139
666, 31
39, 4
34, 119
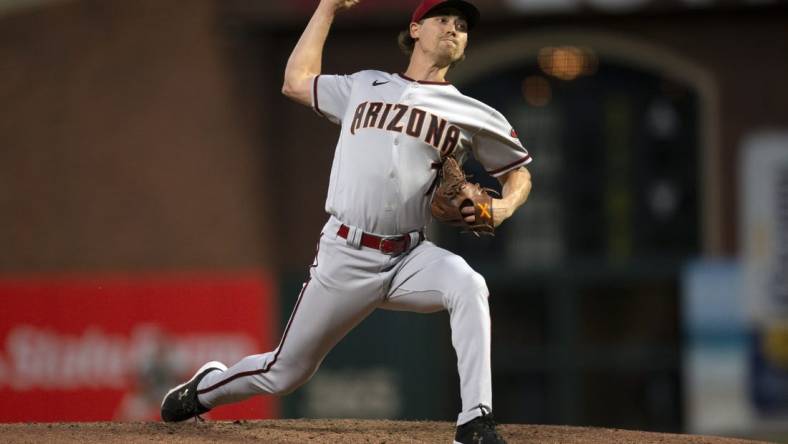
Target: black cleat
180, 403
480, 430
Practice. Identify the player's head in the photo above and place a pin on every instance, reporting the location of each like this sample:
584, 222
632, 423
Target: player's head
439, 29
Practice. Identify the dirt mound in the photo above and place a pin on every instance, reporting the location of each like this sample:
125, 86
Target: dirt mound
323, 431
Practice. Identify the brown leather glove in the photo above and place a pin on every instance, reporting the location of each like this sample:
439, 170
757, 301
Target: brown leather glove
455, 193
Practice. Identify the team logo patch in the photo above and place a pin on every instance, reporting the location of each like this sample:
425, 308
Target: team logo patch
513, 133
485, 211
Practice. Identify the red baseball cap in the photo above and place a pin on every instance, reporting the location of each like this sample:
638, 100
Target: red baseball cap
469, 11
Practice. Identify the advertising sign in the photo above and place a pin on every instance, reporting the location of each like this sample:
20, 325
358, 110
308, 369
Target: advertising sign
108, 348
764, 235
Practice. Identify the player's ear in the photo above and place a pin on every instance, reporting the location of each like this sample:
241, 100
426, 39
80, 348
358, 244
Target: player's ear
414, 29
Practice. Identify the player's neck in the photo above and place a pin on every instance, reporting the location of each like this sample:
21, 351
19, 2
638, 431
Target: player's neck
424, 70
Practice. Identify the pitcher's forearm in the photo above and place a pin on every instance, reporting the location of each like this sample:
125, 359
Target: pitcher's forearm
305, 61
516, 189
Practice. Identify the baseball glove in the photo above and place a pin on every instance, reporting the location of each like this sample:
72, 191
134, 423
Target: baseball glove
454, 193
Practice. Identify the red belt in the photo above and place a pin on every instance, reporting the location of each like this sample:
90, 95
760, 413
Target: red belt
393, 245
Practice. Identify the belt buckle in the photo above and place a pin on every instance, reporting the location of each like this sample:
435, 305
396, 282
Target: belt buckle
392, 252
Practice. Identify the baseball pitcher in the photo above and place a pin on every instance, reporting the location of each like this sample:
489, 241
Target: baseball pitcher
402, 139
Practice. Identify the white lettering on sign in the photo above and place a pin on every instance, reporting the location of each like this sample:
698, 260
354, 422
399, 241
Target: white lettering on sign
354, 393
39, 358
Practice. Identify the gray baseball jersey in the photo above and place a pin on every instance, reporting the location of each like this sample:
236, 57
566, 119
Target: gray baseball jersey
393, 130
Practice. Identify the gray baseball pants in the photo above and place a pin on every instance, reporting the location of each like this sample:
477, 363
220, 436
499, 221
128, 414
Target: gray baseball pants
346, 284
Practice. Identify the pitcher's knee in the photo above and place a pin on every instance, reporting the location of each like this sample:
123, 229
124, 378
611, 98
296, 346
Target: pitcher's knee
464, 280
472, 285
468, 292
288, 383
480, 284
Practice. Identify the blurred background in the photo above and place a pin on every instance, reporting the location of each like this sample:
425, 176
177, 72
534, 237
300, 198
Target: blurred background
160, 201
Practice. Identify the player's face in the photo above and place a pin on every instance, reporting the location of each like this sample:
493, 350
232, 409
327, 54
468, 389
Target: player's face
443, 36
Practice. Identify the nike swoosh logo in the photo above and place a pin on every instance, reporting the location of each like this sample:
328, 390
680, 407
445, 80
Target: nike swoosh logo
376, 83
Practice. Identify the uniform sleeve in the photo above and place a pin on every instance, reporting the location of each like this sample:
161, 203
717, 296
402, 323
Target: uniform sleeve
497, 147
330, 95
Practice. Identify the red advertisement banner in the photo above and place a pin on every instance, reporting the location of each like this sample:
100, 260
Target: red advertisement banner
108, 348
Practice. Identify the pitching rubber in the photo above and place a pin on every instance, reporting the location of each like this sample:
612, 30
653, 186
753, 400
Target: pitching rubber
212, 364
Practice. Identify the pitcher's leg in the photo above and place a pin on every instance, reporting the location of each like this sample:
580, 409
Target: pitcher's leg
435, 279
320, 319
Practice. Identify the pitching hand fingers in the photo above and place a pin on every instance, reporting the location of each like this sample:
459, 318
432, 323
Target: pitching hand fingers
344, 4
